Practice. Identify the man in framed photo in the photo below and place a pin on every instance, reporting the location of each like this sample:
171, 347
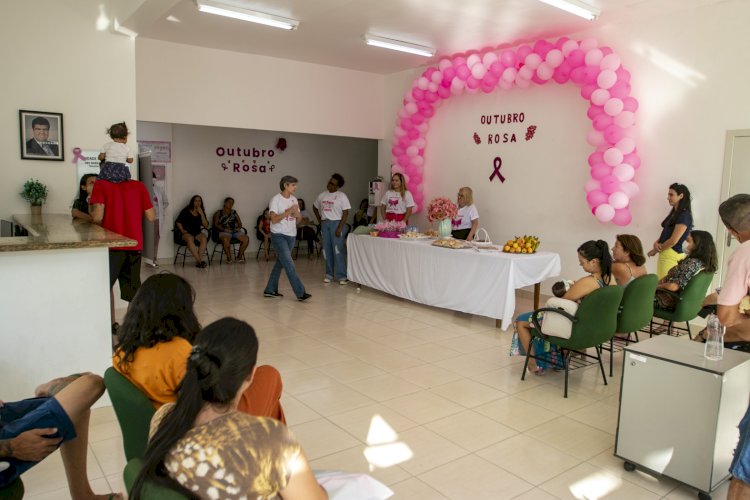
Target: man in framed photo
40, 144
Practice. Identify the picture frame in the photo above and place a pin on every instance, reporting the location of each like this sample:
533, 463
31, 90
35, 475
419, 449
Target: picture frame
41, 134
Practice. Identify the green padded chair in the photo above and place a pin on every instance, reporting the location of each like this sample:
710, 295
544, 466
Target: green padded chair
14, 491
636, 309
689, 303
134, 411
150, 491
594, 323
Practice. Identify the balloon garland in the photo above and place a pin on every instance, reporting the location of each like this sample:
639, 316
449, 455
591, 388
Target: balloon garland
602, 80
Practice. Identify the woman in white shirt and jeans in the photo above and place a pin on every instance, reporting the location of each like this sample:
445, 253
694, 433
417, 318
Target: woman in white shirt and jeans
332, 210
285, 215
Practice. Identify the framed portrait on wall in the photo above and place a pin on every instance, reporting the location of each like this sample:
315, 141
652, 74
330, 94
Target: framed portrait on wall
41, 135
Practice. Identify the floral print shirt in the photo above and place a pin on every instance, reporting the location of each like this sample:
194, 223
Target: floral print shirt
680, 274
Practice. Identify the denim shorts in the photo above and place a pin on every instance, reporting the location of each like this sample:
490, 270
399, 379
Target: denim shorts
34, 413
740, 467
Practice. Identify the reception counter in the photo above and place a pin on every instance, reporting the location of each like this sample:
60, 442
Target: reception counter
54, 301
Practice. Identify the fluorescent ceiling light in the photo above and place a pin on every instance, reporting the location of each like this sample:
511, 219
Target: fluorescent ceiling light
411, 48
222, 9
125, 31
576, 7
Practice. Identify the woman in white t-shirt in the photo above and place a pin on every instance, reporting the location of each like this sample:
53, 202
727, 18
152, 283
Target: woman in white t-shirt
332, 210
466, 221
285, 215
397, 202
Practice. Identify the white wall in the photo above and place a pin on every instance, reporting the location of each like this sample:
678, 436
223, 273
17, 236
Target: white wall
689, 75
196, 169
199, 86
53, 62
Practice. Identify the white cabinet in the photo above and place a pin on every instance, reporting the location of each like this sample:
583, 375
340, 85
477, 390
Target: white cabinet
679, 411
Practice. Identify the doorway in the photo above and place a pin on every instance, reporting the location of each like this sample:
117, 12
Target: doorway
735, 179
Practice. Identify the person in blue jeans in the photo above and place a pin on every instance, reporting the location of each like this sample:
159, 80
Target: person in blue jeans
332, 210
285, 215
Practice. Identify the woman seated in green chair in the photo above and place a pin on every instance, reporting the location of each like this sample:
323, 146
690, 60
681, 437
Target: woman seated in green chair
628, 259
203, 447
595, 259
701, 256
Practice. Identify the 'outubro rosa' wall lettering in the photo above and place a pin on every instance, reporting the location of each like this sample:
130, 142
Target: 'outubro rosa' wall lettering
505, 135
246, 159
597, 71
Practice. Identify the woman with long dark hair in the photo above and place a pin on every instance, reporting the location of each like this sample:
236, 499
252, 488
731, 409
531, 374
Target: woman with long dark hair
189, 226
595, 259
701, 256
155, 342
675, 230
203, 447
628, 263
80, 208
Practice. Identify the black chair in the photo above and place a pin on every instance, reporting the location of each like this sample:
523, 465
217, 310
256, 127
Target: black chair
182, 248
234, 243
317, 242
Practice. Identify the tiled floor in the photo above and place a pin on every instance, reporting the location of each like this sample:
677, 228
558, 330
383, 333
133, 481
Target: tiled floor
429, 397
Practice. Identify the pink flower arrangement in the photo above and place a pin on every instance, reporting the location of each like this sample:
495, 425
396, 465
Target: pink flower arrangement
441, 208
391, 226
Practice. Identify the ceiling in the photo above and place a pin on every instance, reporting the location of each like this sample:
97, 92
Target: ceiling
331, 31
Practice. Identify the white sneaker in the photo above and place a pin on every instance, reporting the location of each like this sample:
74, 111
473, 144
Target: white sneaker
344, 282
327, 280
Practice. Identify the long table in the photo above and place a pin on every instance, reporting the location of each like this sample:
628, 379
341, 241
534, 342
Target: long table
465, 280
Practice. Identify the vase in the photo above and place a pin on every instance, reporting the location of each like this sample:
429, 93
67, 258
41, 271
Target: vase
444, 228
36, 210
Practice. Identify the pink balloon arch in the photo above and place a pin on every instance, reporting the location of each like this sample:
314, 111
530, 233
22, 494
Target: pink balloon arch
596, 70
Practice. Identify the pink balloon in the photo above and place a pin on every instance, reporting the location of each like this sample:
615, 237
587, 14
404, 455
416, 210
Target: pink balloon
587, 90
562, 73
478, 71
623, 172
600, 171
610, 184
576, 58
568, 47
415, 179
397, 169
596, 198
449, 74
542, 47
554, 58
632, 159
486, 87
604, 212
577, 75
612, 134
606, 79
630, 104
407, 124
622, 217
618, 199
594, 111
397, 151
601, 122
623, 75
593, 57
418, 94
457, 86
417, 118
630, 188
509, 74
403, 160
399, 132
591, 185
432, 87
599, 97
412, 134
508, 58
522, 83
496, 68
430, 96
620, 90
625, 119
611, 61
523, 51
606, 50
595, 158
458, 61
590, 74
626, 145
613, 157
613, 106
444, 93
418, 161
595, 138
472, 83
410, 108
463, 72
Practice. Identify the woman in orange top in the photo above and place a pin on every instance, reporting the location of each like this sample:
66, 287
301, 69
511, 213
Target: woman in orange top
156, 338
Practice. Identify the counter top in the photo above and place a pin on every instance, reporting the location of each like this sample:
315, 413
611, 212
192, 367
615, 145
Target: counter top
60, 231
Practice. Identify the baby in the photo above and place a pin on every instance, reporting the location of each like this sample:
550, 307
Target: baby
560, 287
116, 155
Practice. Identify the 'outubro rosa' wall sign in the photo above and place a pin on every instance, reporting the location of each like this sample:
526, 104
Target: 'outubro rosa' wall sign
596, 70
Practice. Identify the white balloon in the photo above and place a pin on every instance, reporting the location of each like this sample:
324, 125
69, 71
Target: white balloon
509, 74
489, 58
604, 212
626, 145
625, 119
533, 60
610, 61
422, 83
618, 200
613, 106
554, 58
600, 96
612, 157
623, 172
630, 188
472, 60
437, 77
525, 73
569, 47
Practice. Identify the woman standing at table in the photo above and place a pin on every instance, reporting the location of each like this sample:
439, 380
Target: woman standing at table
467, 220
675, 230
397, 202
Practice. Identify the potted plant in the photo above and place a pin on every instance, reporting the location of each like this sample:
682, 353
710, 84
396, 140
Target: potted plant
35, 193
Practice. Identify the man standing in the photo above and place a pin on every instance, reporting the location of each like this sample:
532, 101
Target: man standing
735, 214
119, 207
40, 144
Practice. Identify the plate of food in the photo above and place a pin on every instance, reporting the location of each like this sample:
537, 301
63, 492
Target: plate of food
451, 243
414, 235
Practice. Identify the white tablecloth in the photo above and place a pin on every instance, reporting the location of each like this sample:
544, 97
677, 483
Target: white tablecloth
465, 280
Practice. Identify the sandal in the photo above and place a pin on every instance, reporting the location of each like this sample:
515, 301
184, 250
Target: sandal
700, 336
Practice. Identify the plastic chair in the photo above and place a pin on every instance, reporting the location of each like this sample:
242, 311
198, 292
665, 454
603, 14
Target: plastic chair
134, 411
690, 301
182, 248
234, 243
150, 491
594, 323
636, 310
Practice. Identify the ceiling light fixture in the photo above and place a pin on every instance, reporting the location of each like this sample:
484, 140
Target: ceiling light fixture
411, 48
576, 7
223, 9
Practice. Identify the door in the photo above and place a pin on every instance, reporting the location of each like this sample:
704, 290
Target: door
735, 180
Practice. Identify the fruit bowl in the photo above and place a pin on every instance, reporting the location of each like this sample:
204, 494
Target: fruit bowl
522, 244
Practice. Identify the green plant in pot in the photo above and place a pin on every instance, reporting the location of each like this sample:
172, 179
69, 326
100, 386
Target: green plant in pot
35, 193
